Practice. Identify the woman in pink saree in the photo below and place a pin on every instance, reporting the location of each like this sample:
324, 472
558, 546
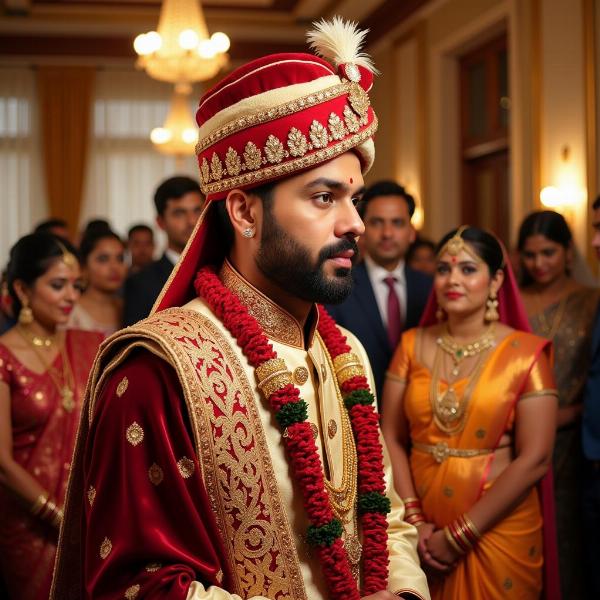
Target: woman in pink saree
43, 372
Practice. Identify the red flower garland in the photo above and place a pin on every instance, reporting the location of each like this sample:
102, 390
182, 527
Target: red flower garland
302, 450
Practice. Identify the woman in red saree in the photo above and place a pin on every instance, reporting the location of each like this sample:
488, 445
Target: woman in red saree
469, 411
43, 372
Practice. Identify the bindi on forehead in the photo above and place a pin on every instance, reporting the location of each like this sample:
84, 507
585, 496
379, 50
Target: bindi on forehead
351, 180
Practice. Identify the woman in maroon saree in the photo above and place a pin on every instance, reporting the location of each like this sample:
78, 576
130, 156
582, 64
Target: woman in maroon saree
43, 372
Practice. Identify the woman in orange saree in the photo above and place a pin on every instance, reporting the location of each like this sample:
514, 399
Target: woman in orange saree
469, 411
43, 373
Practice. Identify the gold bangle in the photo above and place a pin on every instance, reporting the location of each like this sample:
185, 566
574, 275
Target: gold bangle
413, 510
47, 510
57, 518
411, 499
451, 541
471, 526
39, 504
460, 532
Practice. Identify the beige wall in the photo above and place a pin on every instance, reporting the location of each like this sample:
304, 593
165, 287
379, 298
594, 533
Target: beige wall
417, 101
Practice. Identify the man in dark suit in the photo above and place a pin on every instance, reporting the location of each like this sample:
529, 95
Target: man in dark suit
591, 443
388, 297
178, 202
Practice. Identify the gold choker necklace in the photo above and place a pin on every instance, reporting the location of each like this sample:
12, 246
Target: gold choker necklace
65, 381
458, 352
36, 340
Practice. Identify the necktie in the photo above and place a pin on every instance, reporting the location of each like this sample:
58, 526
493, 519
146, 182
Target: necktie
394, 317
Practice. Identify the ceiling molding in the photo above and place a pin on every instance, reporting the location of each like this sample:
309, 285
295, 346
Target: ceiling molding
388, 16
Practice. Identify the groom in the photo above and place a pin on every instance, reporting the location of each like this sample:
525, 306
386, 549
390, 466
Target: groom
232, 449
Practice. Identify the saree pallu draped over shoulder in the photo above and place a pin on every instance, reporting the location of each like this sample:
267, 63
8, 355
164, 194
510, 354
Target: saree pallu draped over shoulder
452, 471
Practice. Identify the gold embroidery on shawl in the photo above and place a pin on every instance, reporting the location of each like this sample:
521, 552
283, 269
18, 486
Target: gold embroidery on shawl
155, 474
105, 548
132, 592
186, 467
153, 567
134, 434
234, 456
91, 495
122, 387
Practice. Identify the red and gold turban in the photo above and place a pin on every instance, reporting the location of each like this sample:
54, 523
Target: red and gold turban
272, 118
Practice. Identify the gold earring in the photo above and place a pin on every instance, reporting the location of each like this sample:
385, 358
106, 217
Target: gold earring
25, 314
249, 232
491, 314
439, 314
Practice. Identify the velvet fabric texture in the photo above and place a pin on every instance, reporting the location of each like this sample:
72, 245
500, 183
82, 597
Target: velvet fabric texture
175, 525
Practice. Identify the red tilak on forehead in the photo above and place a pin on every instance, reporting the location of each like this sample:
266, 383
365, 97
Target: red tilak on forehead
453, 259
351, 180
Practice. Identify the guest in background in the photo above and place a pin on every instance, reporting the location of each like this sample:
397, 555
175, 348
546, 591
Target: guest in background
388, 296
178, 203
421, 256
469, 413
562, 310
101, 307
591, 444
43, 373
54, 226
7, 318
95, 226
140, 243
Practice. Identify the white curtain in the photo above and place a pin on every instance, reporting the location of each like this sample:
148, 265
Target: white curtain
124, 168
22, 193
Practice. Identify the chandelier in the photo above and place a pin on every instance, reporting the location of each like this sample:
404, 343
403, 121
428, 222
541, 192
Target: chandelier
179, 134
181, 51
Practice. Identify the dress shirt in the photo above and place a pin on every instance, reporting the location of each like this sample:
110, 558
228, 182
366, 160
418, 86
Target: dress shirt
172, 255
377, 274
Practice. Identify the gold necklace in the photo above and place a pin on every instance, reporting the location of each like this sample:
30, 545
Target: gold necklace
449, 410
65, 389
38, 341
343, 499
458, 352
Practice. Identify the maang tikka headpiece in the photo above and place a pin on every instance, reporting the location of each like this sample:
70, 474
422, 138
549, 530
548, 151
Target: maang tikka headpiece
67, 257
456, 244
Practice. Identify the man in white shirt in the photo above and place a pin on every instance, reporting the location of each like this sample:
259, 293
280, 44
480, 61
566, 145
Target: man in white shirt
388, 297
